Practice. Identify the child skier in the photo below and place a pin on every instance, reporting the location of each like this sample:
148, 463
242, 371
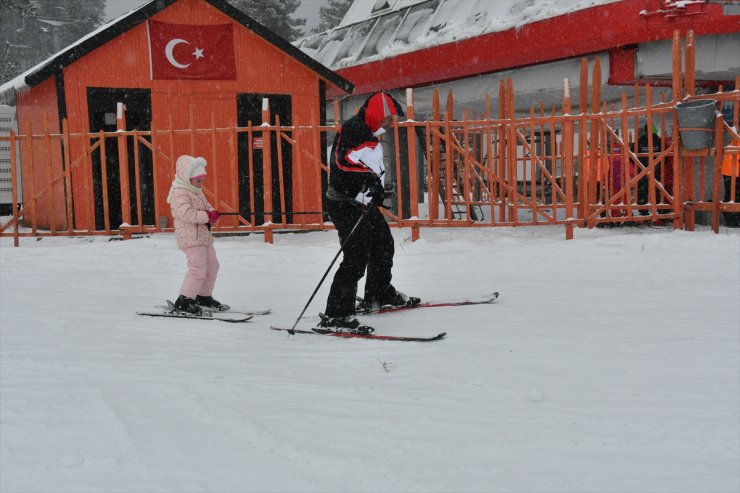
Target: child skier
193, 219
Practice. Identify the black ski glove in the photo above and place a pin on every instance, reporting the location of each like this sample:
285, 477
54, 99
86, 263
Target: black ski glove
377, 194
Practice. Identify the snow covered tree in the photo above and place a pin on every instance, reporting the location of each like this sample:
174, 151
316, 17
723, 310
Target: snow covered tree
23, 8
332, 14
33, 31
274, 15
10, 10
9, 67
83, 16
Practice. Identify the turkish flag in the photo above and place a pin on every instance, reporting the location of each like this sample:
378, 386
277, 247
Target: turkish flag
181, 51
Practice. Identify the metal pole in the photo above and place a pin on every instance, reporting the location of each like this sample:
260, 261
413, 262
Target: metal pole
341, 248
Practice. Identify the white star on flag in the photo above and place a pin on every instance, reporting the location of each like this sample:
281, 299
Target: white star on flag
198, 53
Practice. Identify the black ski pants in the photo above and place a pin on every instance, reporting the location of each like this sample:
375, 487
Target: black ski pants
370, 247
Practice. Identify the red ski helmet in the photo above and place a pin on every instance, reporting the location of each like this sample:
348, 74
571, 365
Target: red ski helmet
379, 106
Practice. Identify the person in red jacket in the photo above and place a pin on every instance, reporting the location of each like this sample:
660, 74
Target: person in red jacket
355, 193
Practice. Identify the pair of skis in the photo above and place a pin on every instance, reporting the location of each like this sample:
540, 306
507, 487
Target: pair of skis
490, 298
230, 316
235, 316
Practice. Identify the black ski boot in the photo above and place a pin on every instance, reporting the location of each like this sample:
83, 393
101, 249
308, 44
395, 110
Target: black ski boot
348, 323
187, 305
210, 304
398, 299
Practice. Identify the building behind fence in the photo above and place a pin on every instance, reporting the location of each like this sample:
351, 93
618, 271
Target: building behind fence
8, 123
582, 164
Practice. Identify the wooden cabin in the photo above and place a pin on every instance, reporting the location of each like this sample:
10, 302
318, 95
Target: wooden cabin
174, 64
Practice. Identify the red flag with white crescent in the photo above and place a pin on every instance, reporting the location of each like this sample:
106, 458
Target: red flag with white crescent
181, 51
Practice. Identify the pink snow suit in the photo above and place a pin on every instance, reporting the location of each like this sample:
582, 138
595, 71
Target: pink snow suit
189, 207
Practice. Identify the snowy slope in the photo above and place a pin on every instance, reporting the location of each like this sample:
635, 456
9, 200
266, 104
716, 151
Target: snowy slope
610, 363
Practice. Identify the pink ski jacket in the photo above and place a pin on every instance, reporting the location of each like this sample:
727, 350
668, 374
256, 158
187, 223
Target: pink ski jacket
189, 210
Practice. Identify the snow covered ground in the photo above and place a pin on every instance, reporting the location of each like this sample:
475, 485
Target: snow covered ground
610, 363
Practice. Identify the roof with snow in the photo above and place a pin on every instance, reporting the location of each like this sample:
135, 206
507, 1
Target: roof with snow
377, 29
37, 74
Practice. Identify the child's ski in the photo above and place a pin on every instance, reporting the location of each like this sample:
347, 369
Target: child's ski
170, 311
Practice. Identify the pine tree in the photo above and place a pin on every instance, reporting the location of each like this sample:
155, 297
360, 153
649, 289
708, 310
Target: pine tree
10, 11
332, 14
84, 16
27, 37
23, 8
274, 15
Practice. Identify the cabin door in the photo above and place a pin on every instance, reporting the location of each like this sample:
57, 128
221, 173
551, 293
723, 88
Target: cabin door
251, 184
102, 103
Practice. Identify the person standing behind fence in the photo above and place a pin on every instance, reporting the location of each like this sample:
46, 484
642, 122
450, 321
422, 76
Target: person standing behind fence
645, 152
730, 172
355, 192
193, 219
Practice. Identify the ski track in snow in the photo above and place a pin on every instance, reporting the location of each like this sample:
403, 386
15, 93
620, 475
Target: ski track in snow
609, 363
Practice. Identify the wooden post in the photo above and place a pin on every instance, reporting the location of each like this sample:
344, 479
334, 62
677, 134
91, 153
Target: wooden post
281, 178
29, 152
413, 177
50, 172
14, 186
501, 165
267, 167
512, 205
598, 174
155, 180
652, 198
568, 157
448, 158
489, 152
466, 188
586, 157
137, 181
434, 166
123, 171
104, 181
67, 176
690, 64
676, 55
252, 185
214, 165
719, 155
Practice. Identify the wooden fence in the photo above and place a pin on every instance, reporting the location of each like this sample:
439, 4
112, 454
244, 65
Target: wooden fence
576, 167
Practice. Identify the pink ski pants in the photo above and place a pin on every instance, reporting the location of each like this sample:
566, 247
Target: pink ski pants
202, 271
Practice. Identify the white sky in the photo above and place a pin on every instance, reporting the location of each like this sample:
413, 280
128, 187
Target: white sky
309, 10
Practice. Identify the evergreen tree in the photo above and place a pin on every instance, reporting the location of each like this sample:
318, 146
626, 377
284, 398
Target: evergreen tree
33, 31
332, 14
23, 8
10, 12
84, 16
274, 15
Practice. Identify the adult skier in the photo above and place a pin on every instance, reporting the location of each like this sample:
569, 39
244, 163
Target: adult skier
355, 193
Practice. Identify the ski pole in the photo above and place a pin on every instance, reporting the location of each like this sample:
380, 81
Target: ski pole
273, 213
341, 248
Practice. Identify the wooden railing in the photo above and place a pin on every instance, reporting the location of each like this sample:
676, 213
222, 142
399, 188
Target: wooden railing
573, 167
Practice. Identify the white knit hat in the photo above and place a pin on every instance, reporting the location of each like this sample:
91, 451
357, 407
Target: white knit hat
198, 168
